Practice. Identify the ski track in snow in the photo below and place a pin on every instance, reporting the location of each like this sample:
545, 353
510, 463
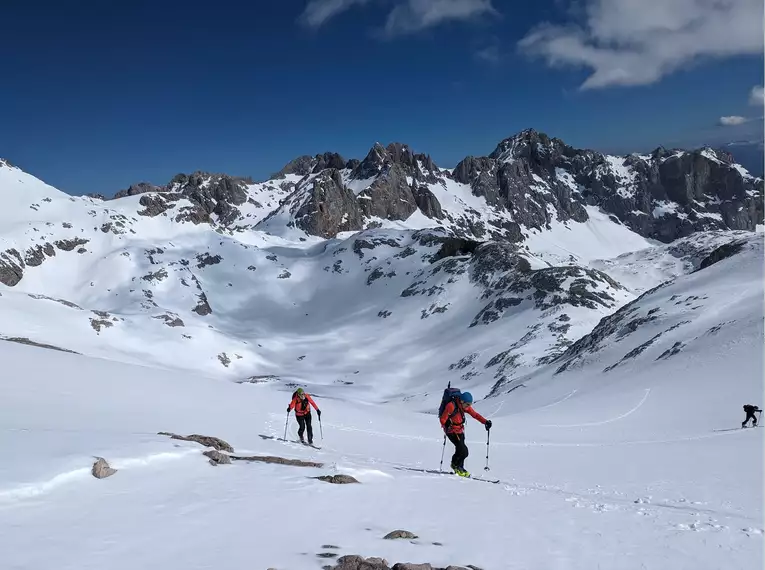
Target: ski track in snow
31, 490
608, 421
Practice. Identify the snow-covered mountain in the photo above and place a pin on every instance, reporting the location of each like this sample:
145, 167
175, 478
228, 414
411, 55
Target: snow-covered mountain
501, 263
624, 452
606, 312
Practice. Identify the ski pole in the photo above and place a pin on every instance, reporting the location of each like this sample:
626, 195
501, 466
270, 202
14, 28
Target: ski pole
321, 430
443, 450
488, 432
286, 423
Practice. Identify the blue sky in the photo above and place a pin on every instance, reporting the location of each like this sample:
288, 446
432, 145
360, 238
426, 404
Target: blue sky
98, 95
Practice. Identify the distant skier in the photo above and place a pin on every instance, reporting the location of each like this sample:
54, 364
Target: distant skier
750, 415
300, 402
453, 423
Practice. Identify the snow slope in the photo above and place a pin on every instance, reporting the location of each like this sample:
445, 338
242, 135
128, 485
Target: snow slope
639, 467
613, 367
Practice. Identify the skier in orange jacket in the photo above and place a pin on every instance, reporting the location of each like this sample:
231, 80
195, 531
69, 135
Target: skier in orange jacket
300, 402
453, 423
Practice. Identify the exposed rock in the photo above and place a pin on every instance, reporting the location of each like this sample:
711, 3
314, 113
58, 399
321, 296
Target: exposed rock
101, 469
23, 340
11, 268
203, 307
337, 479
329, 207
427, 202
98, 324
206, 259
354, 562
722, 252
70, 244
140, 188
277, 460
224, 359
36, 255
171, 320
204, 440
217, 458
400, 534
154, 205
389, 197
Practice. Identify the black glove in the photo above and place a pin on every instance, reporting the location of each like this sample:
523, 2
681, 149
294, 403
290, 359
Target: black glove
318, 413
289, 409
488, 425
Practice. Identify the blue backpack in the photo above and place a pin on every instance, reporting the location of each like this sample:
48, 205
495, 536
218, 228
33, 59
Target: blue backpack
450, 395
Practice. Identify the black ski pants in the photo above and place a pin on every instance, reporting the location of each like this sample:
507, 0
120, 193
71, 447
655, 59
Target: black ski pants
750, 416
305, 423
460, 450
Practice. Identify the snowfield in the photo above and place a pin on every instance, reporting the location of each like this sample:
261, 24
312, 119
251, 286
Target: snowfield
613, 367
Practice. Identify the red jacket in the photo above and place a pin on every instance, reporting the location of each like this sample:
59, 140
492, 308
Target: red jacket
455, 415
301, 406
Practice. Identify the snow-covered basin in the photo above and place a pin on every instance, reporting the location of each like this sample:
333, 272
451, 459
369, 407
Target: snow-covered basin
598, 477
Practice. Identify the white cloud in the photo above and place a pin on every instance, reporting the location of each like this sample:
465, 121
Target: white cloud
415, 15
733, 121
489, 54
637, 42
406, 16
318, 12
757, 96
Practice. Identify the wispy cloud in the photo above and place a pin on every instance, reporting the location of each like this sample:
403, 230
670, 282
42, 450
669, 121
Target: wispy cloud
490, 52
415, 15
757, 96
733, 121
405, 17
318, 12
637, 42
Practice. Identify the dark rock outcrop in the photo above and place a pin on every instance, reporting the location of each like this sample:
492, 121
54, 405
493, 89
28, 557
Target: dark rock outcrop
305, 165
101, 469
337, 479
217, 458
329, 207
427, 202
11, 267
389, 197
277, 460
355, 562
140, 188
205, 440
394, 534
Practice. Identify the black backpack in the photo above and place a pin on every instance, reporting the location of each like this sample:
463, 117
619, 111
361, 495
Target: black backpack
450, 395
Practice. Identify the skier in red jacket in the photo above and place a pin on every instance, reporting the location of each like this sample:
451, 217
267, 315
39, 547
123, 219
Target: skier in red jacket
453, 423
300, 402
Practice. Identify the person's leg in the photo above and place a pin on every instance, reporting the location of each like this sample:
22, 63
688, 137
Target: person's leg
454, 438
301, 423
309, 428
463, 451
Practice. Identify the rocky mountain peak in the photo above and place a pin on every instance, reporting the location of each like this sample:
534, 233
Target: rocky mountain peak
305, 165
534, 146
379, 158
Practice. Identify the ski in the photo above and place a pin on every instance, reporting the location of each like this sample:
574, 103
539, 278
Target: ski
437, 472
492, 481
273, 438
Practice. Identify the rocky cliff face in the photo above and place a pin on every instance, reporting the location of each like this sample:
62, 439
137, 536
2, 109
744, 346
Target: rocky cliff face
529, 181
